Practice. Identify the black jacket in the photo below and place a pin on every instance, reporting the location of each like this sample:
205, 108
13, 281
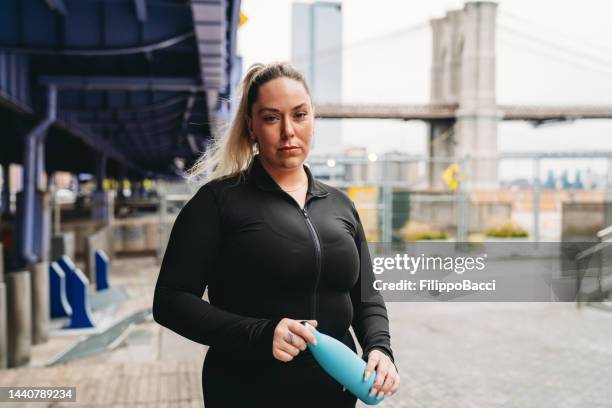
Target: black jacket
263, 258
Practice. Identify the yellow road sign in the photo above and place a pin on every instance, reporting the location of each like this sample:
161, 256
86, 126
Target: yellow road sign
452, 176
243, 19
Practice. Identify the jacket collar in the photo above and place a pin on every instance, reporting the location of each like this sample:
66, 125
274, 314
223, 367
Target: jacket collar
265, 182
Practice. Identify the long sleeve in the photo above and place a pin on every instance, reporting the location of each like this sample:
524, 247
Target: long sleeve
189, 259
370, 320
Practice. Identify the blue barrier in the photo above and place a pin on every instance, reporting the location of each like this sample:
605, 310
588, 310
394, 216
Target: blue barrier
101, 270
57, 292
67, 266
77, 286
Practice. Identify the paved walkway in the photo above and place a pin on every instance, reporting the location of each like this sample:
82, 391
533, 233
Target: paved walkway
153, 367
113, 384
502, 355
449, 355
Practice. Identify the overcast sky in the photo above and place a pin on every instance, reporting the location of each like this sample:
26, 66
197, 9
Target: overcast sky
562, 55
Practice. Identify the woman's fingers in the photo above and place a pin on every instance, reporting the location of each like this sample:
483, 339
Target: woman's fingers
290, 338
290, 349
381, 376
396, 384
282, 355
295, 340
387, 387
373, 360
304, 332
283, 349
387, 379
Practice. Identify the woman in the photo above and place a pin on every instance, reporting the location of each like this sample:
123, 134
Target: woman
274, 246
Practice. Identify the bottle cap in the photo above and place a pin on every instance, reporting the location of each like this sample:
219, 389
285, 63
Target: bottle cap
308, 325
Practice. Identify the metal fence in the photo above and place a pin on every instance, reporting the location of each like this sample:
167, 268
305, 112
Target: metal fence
404, 190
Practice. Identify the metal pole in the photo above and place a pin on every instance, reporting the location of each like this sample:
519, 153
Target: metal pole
100, 171
536, 199
387, 205
55, 206
461, 212
40, 162
609, 181
5, 204
163, 209
33, 165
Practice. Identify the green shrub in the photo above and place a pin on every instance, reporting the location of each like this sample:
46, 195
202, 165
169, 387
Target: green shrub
418, 231
507, 230
427, 235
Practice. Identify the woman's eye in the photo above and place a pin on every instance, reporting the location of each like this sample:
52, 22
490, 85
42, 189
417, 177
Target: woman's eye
269, 118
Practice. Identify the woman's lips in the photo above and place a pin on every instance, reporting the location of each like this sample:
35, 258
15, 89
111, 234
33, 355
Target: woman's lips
289, 151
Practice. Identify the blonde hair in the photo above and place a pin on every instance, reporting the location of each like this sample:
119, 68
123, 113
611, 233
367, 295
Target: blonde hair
232, 153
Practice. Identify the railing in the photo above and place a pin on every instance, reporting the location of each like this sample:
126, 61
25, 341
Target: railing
600, 286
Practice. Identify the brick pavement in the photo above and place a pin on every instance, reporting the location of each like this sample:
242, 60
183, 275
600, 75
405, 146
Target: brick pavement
501, 355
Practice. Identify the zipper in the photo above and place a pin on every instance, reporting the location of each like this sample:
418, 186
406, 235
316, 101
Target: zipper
315, 238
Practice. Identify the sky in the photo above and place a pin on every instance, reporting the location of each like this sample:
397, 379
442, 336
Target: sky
548, 52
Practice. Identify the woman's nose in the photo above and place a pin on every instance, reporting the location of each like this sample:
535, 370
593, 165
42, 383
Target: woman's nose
288, 131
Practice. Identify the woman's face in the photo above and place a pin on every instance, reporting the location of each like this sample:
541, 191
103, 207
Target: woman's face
282, 123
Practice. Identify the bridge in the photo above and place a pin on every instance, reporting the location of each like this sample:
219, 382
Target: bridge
430, 112
463, 112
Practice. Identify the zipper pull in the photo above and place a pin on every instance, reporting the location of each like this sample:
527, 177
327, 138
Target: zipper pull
305, 212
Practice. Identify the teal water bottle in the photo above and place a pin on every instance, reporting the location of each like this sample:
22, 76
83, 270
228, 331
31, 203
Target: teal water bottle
341, 363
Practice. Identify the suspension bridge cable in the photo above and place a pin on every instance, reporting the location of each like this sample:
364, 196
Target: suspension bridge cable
557, 33
390, 36
567, 61
556, 46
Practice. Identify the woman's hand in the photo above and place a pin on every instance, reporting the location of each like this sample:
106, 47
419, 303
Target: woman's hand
387, 379
290, 337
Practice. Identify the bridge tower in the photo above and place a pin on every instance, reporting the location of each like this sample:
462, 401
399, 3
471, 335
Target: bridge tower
463, 73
